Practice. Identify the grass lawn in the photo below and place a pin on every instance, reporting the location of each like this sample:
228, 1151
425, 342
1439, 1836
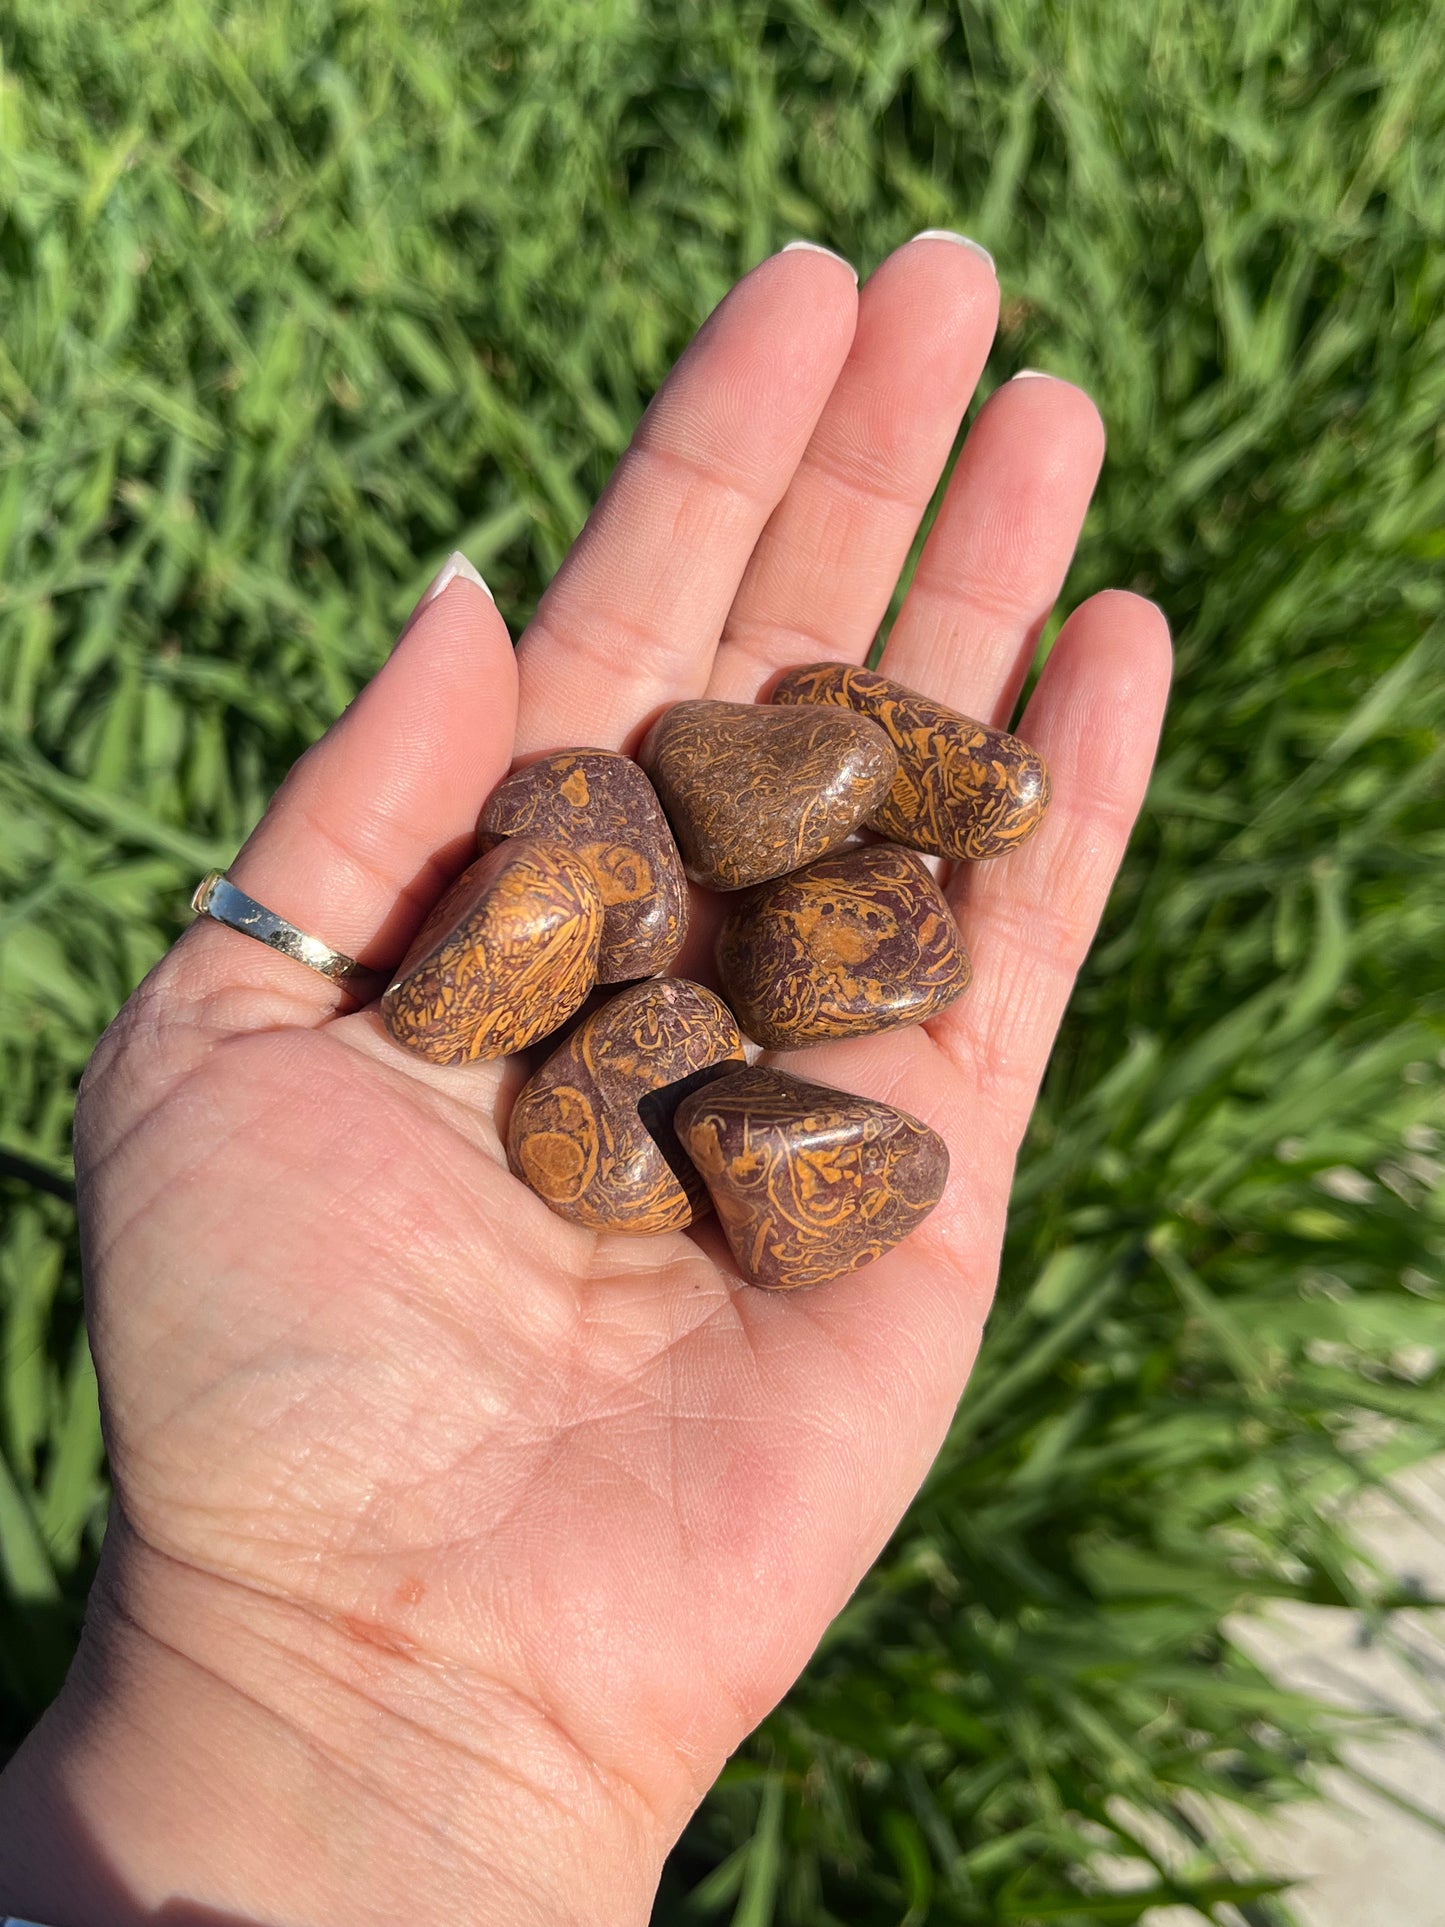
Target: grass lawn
295, 297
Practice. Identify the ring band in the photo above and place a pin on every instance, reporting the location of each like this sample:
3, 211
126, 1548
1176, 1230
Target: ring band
216, 896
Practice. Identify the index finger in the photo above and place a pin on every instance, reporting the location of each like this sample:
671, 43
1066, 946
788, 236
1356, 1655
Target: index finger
632, 618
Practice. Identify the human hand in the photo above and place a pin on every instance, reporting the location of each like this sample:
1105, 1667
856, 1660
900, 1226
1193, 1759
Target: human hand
454, 1547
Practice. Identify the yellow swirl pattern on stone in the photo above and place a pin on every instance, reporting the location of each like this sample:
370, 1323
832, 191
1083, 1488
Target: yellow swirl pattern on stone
601, 806
809, 1182
963, 788
858, 942
752, 792
507, 954
591, 1132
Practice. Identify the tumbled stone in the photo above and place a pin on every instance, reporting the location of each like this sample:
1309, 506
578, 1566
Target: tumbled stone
809, 1182
752, 792
963, 789
600, 805
508, 954
857, 942
591, 1132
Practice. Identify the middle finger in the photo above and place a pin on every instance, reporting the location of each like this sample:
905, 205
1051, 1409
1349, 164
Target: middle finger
821, 577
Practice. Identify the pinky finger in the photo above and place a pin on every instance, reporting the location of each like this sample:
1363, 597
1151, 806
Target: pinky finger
1030, 917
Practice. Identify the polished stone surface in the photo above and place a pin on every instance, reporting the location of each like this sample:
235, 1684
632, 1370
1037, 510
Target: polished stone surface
600, 805
963, 789
508, 954
858, 942
591, 1133
809, 1182
752, 791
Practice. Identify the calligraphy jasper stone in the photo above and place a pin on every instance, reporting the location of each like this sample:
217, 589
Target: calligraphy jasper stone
963, 789
809, 1182
600, 805
508, 954
591, 1133
858, 942
752, 792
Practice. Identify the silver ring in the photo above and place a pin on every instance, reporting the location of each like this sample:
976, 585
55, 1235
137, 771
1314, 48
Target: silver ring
216, 896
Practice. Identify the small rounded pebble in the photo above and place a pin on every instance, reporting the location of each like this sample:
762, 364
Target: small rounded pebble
591, 1132
752, 792
858, 942
600, 805
809, 1182
963, 789
508, 954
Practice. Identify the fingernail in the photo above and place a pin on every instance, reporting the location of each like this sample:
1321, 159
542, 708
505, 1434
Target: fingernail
456, 565
816, 247
1032, 374
962, 240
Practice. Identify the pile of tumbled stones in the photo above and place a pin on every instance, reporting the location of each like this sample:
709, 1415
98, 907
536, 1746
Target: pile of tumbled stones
648, 1108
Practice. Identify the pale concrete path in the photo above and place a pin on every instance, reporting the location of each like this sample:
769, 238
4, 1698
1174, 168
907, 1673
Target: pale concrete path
1363, 1862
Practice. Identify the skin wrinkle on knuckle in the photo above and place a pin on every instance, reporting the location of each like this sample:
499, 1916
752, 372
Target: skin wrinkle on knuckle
686, 473
762, 400
819, 537
897, 431
762, 644
372, 869
984, 1062
869, 476
1050, 932
631, 552
998, 578
848, 540
602, 641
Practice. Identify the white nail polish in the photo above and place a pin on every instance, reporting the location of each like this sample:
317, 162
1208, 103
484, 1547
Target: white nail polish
816, 247
959, 240
1033, 374
456, 565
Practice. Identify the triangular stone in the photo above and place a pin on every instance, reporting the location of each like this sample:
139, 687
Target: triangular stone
808, 1182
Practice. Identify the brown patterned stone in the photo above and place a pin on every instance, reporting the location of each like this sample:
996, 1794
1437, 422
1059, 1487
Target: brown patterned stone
591, 1132
507, 955
963, 789
600, 805
751, 795
855, 943
809, 1182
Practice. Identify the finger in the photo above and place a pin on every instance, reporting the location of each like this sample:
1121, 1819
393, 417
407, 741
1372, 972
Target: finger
824, 570
996, 558
914, 1317
632, 618
373, 820
1029, 918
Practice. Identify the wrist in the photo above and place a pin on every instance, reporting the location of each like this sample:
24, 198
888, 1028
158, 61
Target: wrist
217, 1754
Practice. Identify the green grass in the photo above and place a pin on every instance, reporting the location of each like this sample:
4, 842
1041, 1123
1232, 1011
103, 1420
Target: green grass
297, 297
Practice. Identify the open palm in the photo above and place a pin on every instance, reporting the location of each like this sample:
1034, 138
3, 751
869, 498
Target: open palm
522, 1528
